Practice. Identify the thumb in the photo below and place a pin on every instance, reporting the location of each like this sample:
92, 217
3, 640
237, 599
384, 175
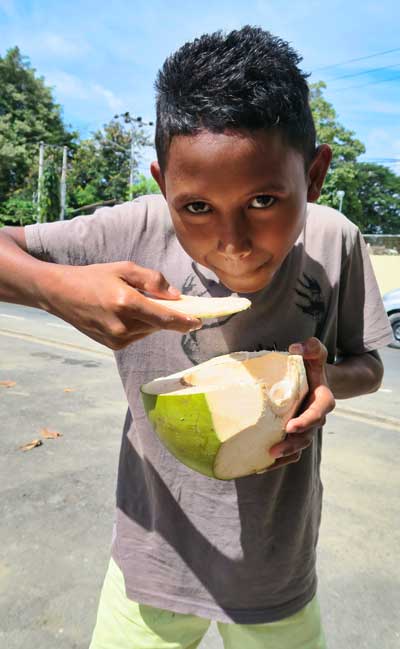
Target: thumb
315, 357
148, 280
312, 350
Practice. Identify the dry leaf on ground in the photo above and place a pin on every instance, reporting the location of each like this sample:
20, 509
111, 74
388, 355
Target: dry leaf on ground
50, 434
31, 445
8, 384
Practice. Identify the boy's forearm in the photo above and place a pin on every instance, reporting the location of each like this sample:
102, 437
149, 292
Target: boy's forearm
22, 277
355, 375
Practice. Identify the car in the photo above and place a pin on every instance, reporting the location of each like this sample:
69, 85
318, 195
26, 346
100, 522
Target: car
391, 302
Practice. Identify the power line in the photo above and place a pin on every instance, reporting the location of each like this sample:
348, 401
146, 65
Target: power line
357, 74
361, 58
370, 83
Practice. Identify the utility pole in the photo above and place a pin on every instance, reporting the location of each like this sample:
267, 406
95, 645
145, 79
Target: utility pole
128, 119
132, 161
63, 184
340, 194
41, 164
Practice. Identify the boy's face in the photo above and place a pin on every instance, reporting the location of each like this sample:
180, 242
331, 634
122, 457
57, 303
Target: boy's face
238, 201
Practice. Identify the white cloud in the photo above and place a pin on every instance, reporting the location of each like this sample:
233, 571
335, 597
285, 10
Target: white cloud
43, 46
59, 45
365, 102
114, 102
380, 143
67, 85
70, 86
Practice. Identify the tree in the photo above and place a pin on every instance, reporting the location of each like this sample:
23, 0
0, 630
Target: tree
28, 115
372, 192
345, 146
17, 210
49, 204
378, 190
345, 150
145, 186
100, 168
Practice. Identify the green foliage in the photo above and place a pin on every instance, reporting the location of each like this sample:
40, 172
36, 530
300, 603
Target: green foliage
372, 196
345, 147
378, 190
28, 115
143, 187
17, 210
100, 168
372, 192
49, 204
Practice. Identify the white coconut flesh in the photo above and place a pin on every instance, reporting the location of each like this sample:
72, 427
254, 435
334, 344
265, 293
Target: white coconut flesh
249, 398
205, 307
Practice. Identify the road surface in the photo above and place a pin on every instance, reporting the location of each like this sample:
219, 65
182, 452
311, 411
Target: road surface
57, 500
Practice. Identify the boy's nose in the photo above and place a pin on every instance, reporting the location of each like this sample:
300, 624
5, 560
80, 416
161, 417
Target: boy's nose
235, 251
234, 242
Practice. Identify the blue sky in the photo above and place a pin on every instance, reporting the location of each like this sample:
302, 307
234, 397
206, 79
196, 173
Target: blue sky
102, 57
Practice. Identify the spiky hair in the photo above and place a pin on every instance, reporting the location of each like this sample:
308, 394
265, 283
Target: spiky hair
246, 79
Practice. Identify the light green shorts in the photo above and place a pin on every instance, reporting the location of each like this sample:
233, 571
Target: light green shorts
124, 624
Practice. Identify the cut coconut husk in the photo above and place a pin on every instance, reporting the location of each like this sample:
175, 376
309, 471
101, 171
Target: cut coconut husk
205, 307
221, 417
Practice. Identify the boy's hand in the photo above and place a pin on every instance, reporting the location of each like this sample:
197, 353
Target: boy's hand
318, 403
103, 301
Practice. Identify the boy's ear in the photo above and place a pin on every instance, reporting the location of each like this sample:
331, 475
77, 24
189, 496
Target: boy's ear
317, 171
158, 176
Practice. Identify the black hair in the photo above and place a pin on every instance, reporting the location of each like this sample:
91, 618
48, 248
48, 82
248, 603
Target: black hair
246, 79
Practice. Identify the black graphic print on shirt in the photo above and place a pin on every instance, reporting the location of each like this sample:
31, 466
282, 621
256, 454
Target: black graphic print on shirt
310, 301
197, 284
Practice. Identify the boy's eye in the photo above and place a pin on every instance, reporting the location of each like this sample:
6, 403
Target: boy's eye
198, 207
262, 201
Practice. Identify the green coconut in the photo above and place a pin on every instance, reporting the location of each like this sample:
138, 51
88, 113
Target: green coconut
221, 417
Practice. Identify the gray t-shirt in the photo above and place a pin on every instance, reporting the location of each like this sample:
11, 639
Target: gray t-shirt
241, 550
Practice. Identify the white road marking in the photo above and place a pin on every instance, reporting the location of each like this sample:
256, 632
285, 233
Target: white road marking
380, 421
13, 317
107, 353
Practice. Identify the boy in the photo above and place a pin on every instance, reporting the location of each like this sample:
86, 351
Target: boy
239, 171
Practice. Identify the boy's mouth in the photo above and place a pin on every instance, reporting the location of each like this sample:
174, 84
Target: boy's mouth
238, 270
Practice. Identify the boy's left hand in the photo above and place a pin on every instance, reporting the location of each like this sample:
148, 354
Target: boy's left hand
318, 403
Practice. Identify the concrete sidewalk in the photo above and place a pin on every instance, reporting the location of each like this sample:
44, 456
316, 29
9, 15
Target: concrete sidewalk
57, 504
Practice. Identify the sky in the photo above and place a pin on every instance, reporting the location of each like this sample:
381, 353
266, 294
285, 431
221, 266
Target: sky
102, 58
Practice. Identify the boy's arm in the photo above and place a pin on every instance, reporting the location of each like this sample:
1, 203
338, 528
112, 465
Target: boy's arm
355, 375
351, 376
101, 300
19, 271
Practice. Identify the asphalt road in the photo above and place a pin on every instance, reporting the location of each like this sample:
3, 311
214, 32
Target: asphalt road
57, 501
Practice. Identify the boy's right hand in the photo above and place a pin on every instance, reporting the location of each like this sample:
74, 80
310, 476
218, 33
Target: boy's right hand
105, 303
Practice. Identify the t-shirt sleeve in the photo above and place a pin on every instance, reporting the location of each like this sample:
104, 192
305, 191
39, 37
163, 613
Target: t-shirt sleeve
362, 323
108, 235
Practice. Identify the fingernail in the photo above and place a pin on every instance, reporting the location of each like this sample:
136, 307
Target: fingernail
195, 326
173, 291
296, 348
